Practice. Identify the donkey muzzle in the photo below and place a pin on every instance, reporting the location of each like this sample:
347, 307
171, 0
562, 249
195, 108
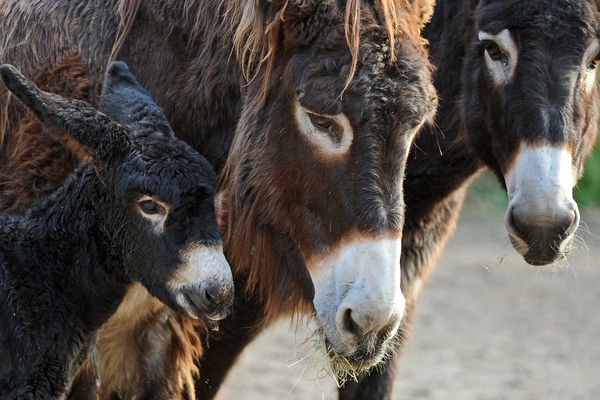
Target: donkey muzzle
542, 216
358, 301
204, 283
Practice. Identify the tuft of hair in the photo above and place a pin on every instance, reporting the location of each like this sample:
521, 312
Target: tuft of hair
256, 37
127, 11
187, 350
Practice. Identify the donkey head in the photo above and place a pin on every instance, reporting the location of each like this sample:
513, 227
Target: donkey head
312, 191
530, 111
157, 201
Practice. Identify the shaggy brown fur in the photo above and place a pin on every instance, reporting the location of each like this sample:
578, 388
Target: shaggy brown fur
137, 360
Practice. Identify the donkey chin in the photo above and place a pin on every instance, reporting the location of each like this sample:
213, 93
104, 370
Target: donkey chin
540, 249
358, 302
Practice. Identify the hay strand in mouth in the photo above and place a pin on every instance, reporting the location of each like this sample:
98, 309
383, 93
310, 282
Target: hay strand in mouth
314, 354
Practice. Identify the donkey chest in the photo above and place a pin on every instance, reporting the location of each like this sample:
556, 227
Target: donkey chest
34, 367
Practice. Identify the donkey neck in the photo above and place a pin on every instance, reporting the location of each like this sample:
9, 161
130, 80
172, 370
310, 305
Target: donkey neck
57, 287
64, 238
441, 160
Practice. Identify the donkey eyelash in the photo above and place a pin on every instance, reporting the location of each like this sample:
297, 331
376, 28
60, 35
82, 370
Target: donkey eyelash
493, 50
152, 207
330, 135
327, 125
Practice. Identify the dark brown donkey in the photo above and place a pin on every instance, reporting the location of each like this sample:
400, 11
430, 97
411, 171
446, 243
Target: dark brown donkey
311, 199
526, 107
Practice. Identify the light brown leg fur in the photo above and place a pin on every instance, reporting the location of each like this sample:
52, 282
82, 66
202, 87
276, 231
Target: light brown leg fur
146, 351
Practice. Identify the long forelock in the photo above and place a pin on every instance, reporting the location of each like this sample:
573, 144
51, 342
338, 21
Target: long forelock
257, 35
256, 30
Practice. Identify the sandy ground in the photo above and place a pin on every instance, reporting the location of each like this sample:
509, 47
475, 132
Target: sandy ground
488, 327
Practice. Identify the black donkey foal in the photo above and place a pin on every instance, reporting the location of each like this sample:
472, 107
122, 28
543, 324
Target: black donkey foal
142, 210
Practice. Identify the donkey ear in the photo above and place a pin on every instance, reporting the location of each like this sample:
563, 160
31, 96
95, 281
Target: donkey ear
86, 131
128, 103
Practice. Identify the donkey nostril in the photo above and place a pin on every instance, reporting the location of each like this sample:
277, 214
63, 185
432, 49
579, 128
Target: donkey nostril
514, 224
349, 324
210, 300
571, 222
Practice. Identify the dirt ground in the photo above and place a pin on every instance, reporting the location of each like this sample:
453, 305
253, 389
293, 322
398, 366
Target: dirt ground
489, 327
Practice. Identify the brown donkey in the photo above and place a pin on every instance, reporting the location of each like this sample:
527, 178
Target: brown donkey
311, 197
526, 107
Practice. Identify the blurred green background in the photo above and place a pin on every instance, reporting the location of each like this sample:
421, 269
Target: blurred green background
587, 191
486, 192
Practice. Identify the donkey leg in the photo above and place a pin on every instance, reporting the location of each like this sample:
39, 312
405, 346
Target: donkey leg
85, 384
425, 237
222, 351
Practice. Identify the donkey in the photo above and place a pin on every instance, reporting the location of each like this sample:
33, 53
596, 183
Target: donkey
326, 96
526, 107
141, 211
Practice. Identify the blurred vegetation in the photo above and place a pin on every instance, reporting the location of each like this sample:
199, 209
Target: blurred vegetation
587, 192
486, 194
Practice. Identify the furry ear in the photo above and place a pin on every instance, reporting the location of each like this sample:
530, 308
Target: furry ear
88, 132
128, 103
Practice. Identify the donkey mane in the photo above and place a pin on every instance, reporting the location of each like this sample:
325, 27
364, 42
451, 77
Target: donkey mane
256, 30
256, 38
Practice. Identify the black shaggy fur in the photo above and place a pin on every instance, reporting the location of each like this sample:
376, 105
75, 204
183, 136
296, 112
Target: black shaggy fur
66, 264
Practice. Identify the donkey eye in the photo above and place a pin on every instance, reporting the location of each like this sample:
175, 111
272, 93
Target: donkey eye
327, 125
151, 207
594, 64
493, 50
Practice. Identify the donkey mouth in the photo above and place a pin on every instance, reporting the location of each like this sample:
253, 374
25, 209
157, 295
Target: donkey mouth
192, 305
538, 260
359, 361
542, 252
